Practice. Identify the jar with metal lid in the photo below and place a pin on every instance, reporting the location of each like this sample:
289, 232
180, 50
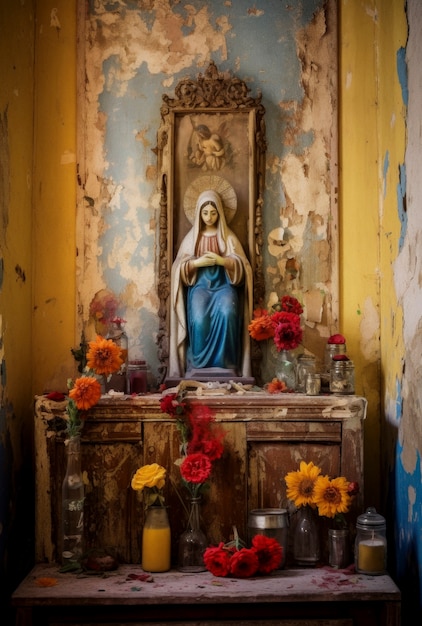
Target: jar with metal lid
371, 543
138, 377
342, 375
306, 364
273, 523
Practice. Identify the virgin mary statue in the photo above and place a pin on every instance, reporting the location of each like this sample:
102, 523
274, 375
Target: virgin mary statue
211, 298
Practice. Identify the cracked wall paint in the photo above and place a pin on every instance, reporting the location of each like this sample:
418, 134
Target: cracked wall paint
135, 54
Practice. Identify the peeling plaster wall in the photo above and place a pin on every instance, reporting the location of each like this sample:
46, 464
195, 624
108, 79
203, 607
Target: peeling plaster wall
136, 52
404, 397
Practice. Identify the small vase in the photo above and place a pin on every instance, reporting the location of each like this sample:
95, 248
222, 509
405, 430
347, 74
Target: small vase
306, 550
72, 504
338, 548
286, 368
156, 541
192, 543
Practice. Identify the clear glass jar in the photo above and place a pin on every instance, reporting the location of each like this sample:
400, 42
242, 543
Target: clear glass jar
273, 523
306, 364
313, 384
338, 547
331, 349
342, 377
371, 543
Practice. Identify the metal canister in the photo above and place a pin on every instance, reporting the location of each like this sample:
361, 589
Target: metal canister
272, 523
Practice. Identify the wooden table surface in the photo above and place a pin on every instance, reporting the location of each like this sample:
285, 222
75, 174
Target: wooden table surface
126, 586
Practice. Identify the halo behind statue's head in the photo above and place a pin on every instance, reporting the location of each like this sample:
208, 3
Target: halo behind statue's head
219, 185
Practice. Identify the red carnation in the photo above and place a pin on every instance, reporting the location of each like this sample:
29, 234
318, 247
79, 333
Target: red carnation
217, 560
196, 468
168, 404
244, 563
269, 553
288, 332
291, 304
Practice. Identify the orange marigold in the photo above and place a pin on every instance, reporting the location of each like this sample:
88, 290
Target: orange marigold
104, 356
86, 392
277, 386
261, 328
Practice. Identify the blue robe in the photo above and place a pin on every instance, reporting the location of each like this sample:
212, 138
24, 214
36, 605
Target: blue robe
214, 321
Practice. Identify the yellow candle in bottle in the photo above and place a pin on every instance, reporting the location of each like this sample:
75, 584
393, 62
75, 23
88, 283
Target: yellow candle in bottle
371, 556
156, 549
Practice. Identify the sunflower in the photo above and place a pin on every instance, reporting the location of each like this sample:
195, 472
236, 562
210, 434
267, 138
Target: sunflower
301, 484
332, 496
86, 392
104, 356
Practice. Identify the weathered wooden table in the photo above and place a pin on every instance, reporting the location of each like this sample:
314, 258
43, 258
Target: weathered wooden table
293, 597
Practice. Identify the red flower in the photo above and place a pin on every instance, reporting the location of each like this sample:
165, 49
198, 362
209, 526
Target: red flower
57, 396
196, 468
206, 436
353, 488
288, 333
291, 304
336, 339
269, 553
244, 563
217, 560
170, 405
276, 386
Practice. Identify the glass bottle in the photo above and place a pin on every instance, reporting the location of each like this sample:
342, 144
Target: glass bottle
286, 368
118, 380
72, 504
156, 540
371, 543
192, 543
306, 551
306, 364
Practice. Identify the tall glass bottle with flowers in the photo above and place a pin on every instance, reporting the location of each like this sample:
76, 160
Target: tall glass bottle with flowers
156, 535
283, 326
201, 445
102, 358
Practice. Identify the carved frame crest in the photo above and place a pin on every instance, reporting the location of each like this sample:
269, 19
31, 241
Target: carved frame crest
212, 132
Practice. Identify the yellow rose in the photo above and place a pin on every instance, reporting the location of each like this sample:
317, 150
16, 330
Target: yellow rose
153, 475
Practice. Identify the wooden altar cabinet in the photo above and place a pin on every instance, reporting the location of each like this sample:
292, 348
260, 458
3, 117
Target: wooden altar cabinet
266, 436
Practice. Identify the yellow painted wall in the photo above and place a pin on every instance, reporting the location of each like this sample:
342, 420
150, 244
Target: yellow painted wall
370, 123
54, 193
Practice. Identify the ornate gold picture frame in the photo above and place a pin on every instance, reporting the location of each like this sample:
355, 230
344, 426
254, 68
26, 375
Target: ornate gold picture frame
212, 136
